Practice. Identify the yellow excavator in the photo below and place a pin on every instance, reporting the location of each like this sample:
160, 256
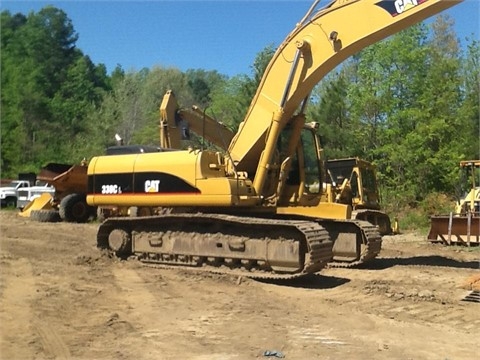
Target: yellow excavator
256, 209
177, 124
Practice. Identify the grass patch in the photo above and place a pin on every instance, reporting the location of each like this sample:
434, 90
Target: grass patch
415, 215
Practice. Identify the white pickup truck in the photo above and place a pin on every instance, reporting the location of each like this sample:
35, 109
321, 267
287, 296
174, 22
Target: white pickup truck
9, 193
19, 193
27, 194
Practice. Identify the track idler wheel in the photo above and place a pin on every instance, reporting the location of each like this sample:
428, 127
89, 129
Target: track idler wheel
120, 242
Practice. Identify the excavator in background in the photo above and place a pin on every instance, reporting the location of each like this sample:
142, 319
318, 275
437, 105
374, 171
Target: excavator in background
461, 226
176, 124
354, 181
256, 209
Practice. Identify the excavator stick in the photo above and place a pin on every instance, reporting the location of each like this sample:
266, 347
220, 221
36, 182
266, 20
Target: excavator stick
43, 202
455, 229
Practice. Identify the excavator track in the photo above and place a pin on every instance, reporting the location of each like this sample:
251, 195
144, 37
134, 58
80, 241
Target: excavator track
355, 242
235, 245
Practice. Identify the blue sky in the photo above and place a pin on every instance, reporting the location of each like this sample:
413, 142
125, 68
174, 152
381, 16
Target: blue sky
212, 35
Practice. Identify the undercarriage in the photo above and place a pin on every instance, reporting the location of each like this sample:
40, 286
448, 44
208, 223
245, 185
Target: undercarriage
246, 246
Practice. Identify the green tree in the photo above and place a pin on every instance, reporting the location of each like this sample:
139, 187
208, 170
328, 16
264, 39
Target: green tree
156, 84
329, 108
437, 137
34, 55
384, 109
48, 88
469, 111
202, 83
78, 96
230, 100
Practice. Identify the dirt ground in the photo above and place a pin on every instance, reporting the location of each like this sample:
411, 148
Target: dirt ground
62, 299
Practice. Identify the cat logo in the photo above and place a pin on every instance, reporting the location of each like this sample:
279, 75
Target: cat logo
397, 7
152, 185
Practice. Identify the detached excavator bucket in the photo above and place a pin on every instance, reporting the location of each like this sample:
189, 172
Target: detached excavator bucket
43, 202
455, 229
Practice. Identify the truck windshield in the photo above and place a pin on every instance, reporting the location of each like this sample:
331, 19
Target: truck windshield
14, 183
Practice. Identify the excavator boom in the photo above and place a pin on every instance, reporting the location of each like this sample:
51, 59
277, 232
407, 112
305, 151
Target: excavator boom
319, 43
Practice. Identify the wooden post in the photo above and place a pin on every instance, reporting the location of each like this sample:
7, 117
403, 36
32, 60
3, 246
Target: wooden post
450, 220
469, 224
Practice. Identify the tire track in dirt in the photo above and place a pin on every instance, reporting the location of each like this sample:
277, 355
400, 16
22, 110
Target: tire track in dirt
415, 293
461, 316
314, 334
17, 296
155, 302
51, 341
152, 316
419, 308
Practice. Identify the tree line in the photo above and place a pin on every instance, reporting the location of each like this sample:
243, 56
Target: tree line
409, 104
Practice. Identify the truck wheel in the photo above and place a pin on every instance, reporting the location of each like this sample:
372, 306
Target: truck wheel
45, 215
74, 208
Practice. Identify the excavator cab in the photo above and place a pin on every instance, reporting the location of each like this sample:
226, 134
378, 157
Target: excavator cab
301, 170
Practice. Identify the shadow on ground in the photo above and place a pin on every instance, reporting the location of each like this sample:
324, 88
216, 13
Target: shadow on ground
312, 281
430, 260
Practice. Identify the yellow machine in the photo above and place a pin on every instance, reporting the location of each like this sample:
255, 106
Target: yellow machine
350, 181
68, 203
463, 225
470, 203
354, 182
176, 123
257, 209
